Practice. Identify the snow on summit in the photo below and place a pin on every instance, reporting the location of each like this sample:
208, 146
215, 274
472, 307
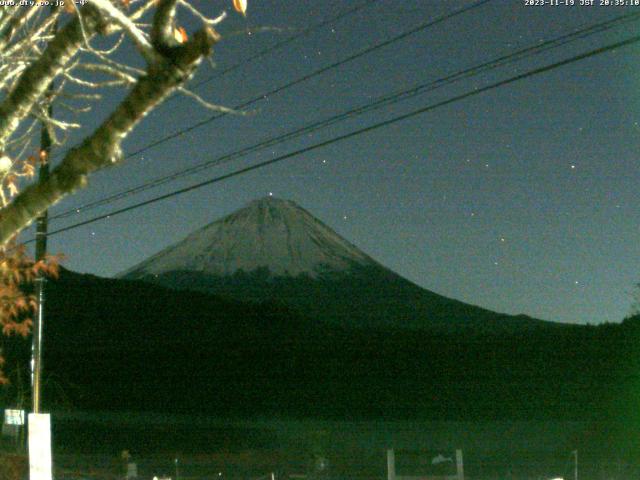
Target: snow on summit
267, 233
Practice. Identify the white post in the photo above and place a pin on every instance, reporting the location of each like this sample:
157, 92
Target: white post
391, 464
40, 446
459, 464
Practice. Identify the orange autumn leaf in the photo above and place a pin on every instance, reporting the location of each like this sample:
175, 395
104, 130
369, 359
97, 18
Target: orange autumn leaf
240, 6
21, 304
23, 328
180, 34
8, 328
33, 304
39, 267
28, 170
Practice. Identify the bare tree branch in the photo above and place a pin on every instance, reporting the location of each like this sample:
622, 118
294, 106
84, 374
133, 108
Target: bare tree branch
163, 26
35, 80
208, 105
137, 35
102, 148
14, 24
29, 40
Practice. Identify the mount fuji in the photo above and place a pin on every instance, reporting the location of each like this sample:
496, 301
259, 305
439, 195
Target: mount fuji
269, 233
274, 250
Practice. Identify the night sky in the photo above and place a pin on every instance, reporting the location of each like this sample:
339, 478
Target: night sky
523, 199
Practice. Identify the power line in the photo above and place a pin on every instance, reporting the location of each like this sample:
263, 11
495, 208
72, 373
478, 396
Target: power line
279, 45
276, 46
315, 73
526, 52
399, 118
287, 41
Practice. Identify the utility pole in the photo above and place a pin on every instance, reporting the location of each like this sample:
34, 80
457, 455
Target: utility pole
575, 465
40, 254
40, 462
40, 282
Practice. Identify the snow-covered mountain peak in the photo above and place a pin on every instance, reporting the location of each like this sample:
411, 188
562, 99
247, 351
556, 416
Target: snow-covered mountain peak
268, 233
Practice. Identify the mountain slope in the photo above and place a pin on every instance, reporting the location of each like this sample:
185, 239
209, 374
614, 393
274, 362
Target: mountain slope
273, 250
129, 345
